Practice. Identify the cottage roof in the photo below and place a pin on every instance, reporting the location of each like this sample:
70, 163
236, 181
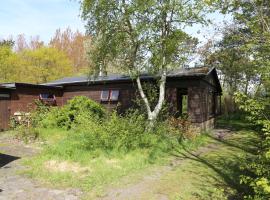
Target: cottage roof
183, 72
14, 85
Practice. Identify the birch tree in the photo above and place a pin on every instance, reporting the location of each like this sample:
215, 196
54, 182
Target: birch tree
142, 37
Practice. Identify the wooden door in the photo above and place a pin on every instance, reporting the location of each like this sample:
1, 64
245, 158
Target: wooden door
4, 114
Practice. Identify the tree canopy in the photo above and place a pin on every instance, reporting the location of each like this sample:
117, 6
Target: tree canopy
142, 36
31, 60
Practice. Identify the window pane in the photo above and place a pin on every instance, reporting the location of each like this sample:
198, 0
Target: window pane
4, 95
114, 95
47, 96
105, 95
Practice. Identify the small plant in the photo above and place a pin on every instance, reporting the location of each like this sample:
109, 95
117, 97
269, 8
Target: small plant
184, 126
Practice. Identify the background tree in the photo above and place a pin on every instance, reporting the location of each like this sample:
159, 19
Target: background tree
45, 64
233, 59
7, 61
73, 44
31, 60
142, 36
7, 43
253, 18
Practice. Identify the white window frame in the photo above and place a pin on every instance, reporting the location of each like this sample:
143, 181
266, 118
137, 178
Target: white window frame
110, 95
102, 98
117, 95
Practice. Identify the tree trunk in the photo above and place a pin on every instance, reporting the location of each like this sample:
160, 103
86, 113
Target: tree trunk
246, 87
152, 115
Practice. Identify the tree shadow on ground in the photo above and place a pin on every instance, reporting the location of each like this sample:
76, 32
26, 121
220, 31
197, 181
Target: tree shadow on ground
6, 159
250, 145
234, 125
225, 164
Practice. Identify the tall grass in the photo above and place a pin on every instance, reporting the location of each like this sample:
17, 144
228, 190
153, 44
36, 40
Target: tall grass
85, 146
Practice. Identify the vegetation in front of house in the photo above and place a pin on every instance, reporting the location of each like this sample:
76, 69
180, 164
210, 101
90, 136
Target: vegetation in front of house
85, 146
256, 173
213, 173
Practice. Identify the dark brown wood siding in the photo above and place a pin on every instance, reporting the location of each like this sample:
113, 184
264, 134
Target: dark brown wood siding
23, 98
126, 94
4, 114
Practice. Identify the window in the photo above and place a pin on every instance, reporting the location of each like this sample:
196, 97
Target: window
114, 95
109, 95
105, 95
48, 99
47, 96
3, 95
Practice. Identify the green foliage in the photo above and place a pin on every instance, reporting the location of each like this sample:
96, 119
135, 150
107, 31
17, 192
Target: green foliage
66, 116
10, 64
247, 44
233, 59
97, 129
45, 64
33, 66
7, 43
124, 31
122, 133
142, 37
257, 174
99, 146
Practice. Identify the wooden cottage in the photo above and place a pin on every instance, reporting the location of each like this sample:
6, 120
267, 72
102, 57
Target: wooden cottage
196, 91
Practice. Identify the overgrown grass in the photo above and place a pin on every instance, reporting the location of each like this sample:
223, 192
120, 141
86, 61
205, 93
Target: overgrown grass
63, 163
86, 147
212, 173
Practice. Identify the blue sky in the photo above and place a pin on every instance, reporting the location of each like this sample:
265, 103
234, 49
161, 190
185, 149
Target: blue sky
38, 17
43, 17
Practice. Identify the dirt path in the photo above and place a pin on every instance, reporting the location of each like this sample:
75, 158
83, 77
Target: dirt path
136, 191
14, 186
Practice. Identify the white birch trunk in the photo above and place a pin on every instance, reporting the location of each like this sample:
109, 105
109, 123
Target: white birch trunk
152, 115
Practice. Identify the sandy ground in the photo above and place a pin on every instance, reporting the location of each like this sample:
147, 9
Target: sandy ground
15, 186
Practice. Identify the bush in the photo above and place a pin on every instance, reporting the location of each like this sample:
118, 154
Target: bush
93, 129
65, 116
256, 173
123, 133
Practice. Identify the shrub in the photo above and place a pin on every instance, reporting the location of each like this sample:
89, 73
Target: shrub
122, 133
183, 124
65, 116
93, 129
256, 173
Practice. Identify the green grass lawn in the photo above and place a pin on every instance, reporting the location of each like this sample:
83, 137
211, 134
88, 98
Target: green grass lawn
63, 164
212, 173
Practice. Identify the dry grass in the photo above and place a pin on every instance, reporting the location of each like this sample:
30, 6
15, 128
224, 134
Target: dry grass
65, 166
